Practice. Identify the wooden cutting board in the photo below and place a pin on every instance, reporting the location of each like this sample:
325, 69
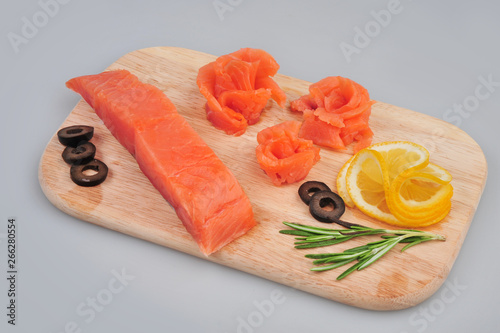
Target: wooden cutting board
128, 203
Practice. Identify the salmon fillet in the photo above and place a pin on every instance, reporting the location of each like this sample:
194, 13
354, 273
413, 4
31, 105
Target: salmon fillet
204, 193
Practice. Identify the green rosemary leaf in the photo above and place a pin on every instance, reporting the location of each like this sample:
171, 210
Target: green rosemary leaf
376, 242
415, 242
366, 255
323, 243
319, 255
357, 249
342, 257
332, 266
337, 257
349, 271
321, 238
379, 253
407, 231
316, 239
296, 232
411, 239
321, 261
314, 230
359, 227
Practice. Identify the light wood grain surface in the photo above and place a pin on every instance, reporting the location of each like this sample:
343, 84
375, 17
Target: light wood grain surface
128, 203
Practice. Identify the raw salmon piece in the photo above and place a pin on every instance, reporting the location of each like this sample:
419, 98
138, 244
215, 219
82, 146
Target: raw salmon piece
227, 118
362, 139
357, 130
237, 84
283, 156
121, 112
336, 112
267, 65
249, 103
303, 103
222, 117
204, 193
266, 82
320, 132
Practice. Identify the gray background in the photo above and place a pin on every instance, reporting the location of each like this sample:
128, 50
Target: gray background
429, 57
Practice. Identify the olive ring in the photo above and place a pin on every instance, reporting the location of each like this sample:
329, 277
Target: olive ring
322, 199
81, 154
308, 189
78, 175
74, 135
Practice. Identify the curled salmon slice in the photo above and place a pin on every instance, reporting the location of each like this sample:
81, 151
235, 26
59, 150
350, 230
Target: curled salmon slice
336, 113
237, 87
283, 156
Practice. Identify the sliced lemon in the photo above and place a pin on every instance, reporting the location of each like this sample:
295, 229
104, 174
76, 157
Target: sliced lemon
342, 184
436, 173
395, 183
416, 221
421, 190
365, 185
402, 156
422, 196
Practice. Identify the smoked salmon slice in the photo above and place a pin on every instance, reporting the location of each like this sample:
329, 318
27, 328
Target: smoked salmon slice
183, 168
237, 87
336, 113
283, 156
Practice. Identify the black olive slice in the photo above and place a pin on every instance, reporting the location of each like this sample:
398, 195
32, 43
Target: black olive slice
308, 189
74, 135
81, 154
80, 178
326, 206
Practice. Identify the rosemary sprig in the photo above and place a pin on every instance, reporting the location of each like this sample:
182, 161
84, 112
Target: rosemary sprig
311, 237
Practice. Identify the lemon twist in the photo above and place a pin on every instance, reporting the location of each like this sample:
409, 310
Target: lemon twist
394, 182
